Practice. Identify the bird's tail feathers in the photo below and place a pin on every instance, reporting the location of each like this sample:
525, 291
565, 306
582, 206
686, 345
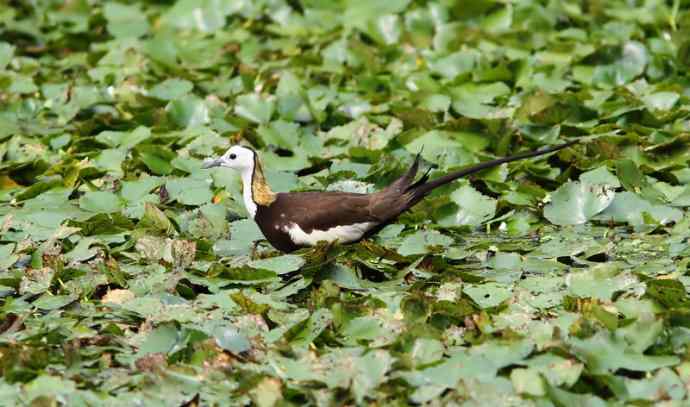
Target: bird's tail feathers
421, 188
403, 183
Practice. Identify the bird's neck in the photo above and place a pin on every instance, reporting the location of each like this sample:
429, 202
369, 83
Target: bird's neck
255, 189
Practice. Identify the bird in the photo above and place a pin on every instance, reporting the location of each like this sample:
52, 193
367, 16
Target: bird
293, 220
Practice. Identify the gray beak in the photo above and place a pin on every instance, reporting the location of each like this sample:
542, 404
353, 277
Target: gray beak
211, 162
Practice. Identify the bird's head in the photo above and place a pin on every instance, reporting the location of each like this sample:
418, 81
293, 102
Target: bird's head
238, 157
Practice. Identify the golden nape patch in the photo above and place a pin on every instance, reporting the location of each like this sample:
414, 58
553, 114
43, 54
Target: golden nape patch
261, 192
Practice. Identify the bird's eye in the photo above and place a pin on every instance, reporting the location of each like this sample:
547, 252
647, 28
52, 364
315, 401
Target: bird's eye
232, 156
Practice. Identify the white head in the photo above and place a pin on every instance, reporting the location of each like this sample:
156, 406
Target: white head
238, 157
255, 190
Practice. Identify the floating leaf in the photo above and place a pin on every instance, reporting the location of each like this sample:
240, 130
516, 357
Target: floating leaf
488, 295
188, 111
7, 259
575, 203
6, 53
600, 176
125, 20
631, 62
279, 264
255, 108
50, 386
230, 339
100, 202
156, 219
661, 100
473, 208
630, 208
124, 139
160, 340
206, 16
189, 191
171, 89
420, 242
305, 332
527, 381
603, 353
600, 281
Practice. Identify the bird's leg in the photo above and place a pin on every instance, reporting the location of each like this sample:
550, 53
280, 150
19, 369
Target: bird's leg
255, 247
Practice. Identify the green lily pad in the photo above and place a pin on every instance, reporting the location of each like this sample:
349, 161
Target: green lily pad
255, 108
188, 112
230, 339
100, 202
279, 264
604, 353
575, 203
7, 258
419, 242
125, 20
473, 208
630, 208
6, 53
159, 340
600, 176
189, 191
124, 139
171, 89
488, 295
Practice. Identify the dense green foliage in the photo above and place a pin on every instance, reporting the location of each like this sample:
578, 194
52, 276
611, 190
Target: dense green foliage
130, 276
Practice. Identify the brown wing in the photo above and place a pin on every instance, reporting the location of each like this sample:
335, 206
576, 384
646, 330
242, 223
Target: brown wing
323, 210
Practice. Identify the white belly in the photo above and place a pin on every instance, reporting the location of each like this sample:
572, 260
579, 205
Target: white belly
343, 234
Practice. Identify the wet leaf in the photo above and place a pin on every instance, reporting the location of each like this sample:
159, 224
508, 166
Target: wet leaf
600, 176
473, 208
125, 20
488, 295
171, 89
661, 100
189, 191
280, 264
603, 353
188, 111
49, 386
6, 53
124, 139
631, 208
305, 332
255, 108
631, 62
100, 202
420, 242
159, 340
7, 258
230, 339
575, 203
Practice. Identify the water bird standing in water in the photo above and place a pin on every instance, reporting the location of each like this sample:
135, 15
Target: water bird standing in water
293, 220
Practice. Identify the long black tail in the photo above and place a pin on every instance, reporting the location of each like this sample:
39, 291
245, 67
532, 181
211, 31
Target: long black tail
421, 188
